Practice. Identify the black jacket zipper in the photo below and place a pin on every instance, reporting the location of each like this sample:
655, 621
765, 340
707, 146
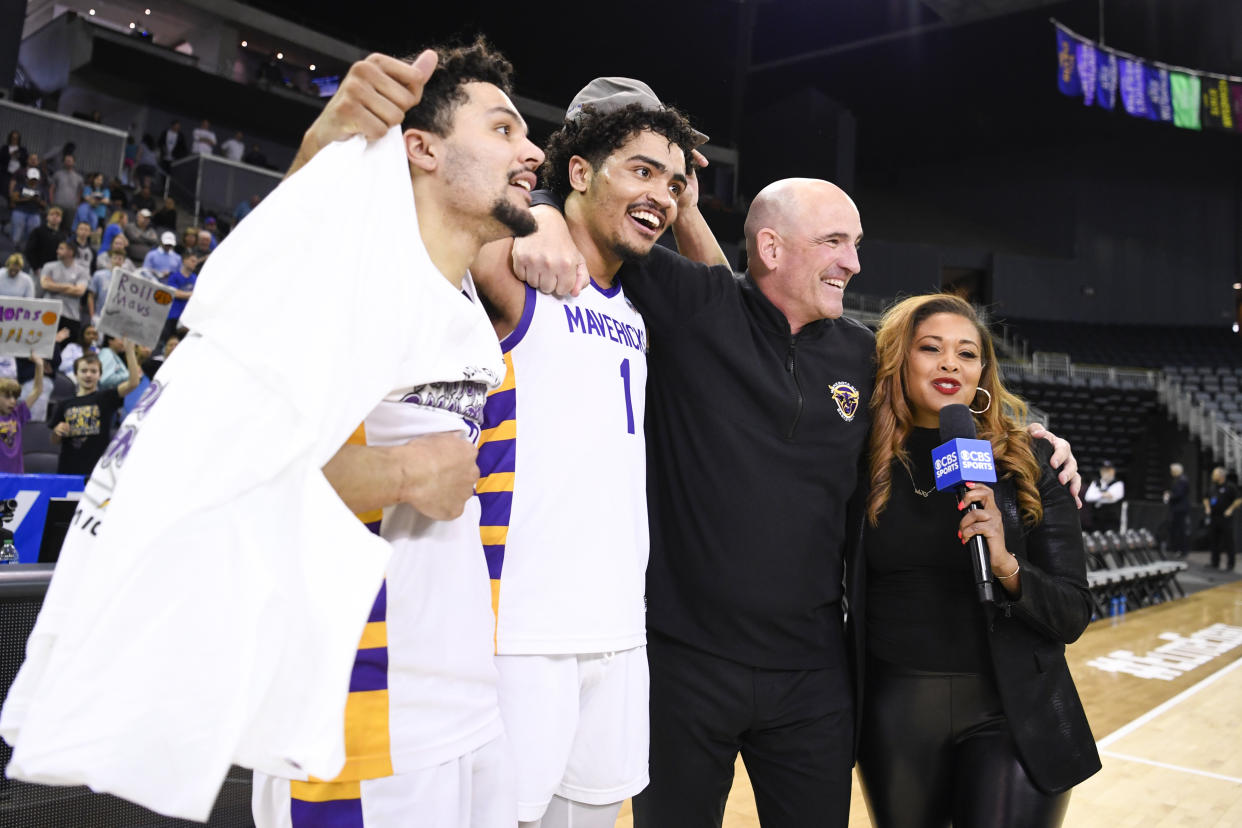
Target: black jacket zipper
791, 366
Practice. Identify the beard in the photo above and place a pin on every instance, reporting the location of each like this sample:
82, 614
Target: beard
630, 254
520, 222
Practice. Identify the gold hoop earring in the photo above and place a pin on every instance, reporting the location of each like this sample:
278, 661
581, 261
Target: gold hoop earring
986, 407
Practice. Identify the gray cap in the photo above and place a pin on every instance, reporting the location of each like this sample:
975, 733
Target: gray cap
610, 94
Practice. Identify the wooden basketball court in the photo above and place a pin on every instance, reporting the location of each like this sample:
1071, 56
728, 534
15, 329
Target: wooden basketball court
1163, 691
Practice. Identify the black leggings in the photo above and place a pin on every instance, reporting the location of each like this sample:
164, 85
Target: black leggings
936, 751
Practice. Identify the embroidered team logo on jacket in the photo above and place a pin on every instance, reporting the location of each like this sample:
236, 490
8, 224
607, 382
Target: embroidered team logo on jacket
846, 398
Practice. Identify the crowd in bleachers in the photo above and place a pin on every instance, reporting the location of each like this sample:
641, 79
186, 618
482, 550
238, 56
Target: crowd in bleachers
62, 236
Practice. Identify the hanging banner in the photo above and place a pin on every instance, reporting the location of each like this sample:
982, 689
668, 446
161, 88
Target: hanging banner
1133, 84
1235, 99
1216, 111
1086, 71
1067, 64
1159, 94
1186, 104
1106, 78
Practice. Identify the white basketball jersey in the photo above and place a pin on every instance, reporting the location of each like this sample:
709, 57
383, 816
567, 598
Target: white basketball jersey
564, 482
423, 688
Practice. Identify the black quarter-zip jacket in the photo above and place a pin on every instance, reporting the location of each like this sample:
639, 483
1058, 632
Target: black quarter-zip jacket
754, 436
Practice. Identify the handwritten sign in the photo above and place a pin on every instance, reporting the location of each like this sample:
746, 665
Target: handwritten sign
28, 325
136, 308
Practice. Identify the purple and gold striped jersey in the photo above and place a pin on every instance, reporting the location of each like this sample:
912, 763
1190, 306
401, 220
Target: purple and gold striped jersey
563, 477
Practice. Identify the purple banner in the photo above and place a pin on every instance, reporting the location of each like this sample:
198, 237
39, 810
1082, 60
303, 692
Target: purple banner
1106, 78
1133, 87
1159, 95
1086, 71
1067, 64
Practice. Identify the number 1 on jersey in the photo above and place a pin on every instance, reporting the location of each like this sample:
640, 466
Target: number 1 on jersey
629, 405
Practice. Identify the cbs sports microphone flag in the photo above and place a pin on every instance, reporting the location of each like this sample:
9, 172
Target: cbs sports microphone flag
211, 592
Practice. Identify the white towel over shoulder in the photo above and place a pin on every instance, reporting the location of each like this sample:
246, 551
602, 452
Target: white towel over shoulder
212, 591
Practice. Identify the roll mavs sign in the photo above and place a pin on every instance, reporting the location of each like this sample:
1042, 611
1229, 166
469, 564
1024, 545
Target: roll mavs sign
961, 460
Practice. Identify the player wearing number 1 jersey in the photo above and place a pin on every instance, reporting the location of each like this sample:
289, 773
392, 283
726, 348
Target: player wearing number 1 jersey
563, 475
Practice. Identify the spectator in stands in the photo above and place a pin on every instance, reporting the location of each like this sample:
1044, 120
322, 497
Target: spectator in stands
144, 199
97, 290
172, 145
1177, 496
65, 278
151, 366
131, 161
65, 188
147, 160
212, 228
119, 195
204, 244
82, 246
204, 140
87, 343
1104, 498
166, 219
14, 282
142, 237
234, 148
90, 199
41, 246
244, 209
256, 157
1219, 505
100, 197
116, 227
189, 240
14, 414
28, 198
112, 370
182, 284
82, 425
163, 260
12, 159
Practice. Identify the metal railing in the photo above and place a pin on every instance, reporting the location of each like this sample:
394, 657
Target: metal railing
1058, 368
216, 183
99, 148
1214, 434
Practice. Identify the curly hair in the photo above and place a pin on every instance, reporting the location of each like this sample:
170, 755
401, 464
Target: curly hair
595, 135
443, 92
892, 420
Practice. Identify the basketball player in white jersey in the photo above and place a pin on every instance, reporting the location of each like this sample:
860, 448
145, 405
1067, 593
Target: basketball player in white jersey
567, 558
567, 555
423, 732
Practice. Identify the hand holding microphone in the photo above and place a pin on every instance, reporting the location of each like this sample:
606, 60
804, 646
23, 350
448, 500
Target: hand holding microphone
965, 464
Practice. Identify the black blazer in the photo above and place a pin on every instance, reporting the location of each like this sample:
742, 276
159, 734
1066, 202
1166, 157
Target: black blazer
1026, 636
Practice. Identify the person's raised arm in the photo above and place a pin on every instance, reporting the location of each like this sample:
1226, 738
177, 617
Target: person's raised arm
494, 277
36, 390
135, 370
548, 260
435, 474
695, 239
374, 97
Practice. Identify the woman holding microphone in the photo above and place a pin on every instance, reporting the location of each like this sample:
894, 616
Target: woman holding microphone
969, 714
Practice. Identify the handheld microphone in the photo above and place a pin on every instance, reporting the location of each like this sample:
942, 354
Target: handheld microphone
959, 460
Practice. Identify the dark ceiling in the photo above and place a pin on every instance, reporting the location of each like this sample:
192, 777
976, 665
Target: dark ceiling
922, 76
